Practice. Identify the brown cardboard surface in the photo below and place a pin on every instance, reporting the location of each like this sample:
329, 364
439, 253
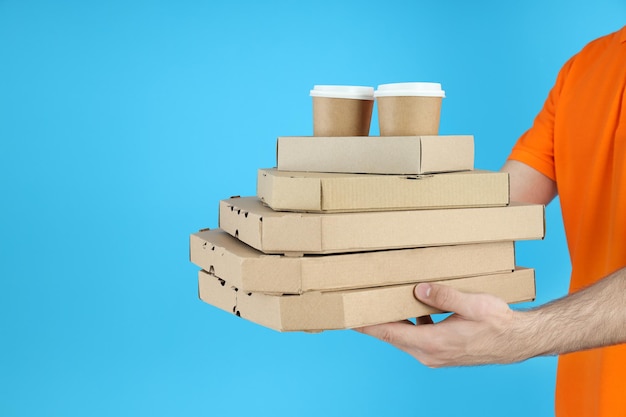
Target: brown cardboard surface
253, 271
340, 192
314, 311
341, 116
215, 292
270, 231
409, 155
409, 115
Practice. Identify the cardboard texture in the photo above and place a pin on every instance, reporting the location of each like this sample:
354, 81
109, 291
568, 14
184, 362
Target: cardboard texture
409, 115
408, 155
213, 290
253, 271
341, 116
316, 311
339, 192
295, 233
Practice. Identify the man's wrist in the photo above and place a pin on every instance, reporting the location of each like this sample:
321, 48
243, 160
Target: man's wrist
525, 336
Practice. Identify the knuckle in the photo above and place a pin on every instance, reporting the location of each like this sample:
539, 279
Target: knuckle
387, 336
433, 353
442, 295
484, 306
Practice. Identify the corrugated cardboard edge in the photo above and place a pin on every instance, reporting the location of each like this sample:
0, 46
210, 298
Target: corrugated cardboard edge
220, 254
436, 155
343, 192
313, 154
249, 221
395, 267
216, 292
279, 192
317, 311
462, 226
281, 232
250, 270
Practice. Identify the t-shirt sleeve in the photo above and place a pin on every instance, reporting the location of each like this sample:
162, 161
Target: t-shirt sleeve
536, 146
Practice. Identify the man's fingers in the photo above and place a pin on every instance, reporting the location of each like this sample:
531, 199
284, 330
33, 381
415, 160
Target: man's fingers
397, 333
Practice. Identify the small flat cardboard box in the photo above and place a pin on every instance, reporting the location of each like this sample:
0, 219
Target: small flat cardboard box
337, 192
316, 311
408, 155
253, 271
269, 231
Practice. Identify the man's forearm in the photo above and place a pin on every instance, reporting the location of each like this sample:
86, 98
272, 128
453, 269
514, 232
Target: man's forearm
592, 317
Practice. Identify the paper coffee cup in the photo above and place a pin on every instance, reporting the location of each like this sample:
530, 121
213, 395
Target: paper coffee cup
409, 109
342, 110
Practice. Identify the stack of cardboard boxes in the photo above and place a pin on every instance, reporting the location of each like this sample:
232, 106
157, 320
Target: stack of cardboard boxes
342, 230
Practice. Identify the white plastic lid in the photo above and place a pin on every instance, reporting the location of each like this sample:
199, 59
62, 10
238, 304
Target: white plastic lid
410, 89
343, 91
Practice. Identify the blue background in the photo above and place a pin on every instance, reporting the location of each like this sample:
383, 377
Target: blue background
123, 123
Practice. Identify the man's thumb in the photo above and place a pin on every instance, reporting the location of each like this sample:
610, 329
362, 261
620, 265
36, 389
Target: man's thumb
441, 296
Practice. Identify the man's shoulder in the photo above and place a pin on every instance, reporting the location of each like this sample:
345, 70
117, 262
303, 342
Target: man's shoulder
605, 41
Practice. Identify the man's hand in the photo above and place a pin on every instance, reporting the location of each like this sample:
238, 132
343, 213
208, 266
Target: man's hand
478, 332
483, 329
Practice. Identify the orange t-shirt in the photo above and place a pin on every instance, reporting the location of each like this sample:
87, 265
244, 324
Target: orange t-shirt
579, 140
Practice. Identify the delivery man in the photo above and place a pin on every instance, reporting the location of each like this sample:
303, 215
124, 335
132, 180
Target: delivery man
576, 148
